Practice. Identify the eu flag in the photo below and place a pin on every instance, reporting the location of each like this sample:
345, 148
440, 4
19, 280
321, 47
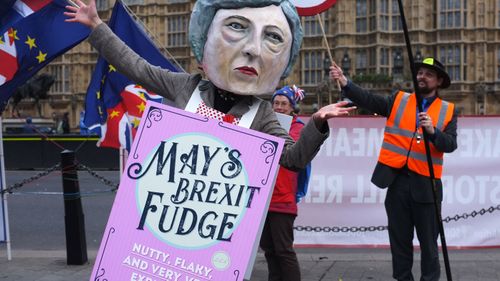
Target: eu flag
114, 104
5, 10
33, 33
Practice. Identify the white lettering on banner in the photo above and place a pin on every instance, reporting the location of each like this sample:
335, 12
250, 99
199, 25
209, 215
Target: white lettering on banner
138, 277
479, 143
165, 272
192, 267
370, 195
466, 189
136, 263
330, 189
150, 253
356, 142
342, 143
325, 189
359, 149
374, 140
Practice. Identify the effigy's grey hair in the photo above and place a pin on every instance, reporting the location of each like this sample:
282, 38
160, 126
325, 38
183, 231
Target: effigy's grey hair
204, 12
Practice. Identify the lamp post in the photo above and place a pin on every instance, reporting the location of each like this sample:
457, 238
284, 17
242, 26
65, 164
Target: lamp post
324, 85
346, 64
418, 56
346, 67
326, 67
480, 91
397, 70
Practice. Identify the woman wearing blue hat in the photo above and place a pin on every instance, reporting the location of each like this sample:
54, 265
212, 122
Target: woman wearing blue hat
277, 236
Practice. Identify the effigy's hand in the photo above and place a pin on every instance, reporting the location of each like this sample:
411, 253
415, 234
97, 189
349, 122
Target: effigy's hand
83, 13
330, 111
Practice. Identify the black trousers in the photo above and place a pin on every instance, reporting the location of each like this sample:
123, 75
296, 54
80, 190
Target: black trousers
277, 243
404, 215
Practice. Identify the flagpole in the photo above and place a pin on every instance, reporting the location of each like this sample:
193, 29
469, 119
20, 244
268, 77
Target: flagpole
123, 159
427, 146
320, 20
4, 196
72, 3
157, 41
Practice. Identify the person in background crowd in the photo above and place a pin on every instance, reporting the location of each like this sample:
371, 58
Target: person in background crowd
29, 127
63, 126
402, 164
55, 119
84, 130
277, 236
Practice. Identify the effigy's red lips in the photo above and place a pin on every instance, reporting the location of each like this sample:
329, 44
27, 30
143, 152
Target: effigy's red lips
248, 70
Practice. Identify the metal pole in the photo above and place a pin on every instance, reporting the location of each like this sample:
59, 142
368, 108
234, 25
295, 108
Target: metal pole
123, 159
4, 196
427, 147
76, 245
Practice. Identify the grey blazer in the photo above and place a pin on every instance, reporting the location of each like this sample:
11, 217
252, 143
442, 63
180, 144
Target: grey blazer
178, 87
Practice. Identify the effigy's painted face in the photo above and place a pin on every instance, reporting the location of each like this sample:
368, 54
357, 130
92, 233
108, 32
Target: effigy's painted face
247, 50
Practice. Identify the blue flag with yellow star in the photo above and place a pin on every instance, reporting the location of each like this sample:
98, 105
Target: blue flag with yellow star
114, 104
5, 9
33, 33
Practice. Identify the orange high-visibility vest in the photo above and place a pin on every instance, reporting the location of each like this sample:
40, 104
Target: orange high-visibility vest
401, 145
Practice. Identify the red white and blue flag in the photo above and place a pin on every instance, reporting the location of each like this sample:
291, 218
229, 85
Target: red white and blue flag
123, 119
15, 11
114, 104
32, 34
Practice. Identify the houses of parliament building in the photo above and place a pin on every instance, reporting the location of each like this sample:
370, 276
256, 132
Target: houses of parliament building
365, 38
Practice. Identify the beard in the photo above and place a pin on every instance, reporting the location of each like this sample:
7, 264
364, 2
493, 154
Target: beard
424, 90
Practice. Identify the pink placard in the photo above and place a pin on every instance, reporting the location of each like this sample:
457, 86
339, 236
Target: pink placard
192, 200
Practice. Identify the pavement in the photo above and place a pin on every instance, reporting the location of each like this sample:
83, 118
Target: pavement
39, 253
316, 264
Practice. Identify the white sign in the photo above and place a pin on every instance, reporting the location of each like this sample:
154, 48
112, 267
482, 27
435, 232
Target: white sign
312, 7
340, 186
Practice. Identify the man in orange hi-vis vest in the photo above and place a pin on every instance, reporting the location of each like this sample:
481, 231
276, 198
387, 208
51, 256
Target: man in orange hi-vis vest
402, 164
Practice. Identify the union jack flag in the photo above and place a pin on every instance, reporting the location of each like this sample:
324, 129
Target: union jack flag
114, 104
123, 119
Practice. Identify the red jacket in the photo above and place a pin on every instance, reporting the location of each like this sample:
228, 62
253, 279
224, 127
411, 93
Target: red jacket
283, 199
